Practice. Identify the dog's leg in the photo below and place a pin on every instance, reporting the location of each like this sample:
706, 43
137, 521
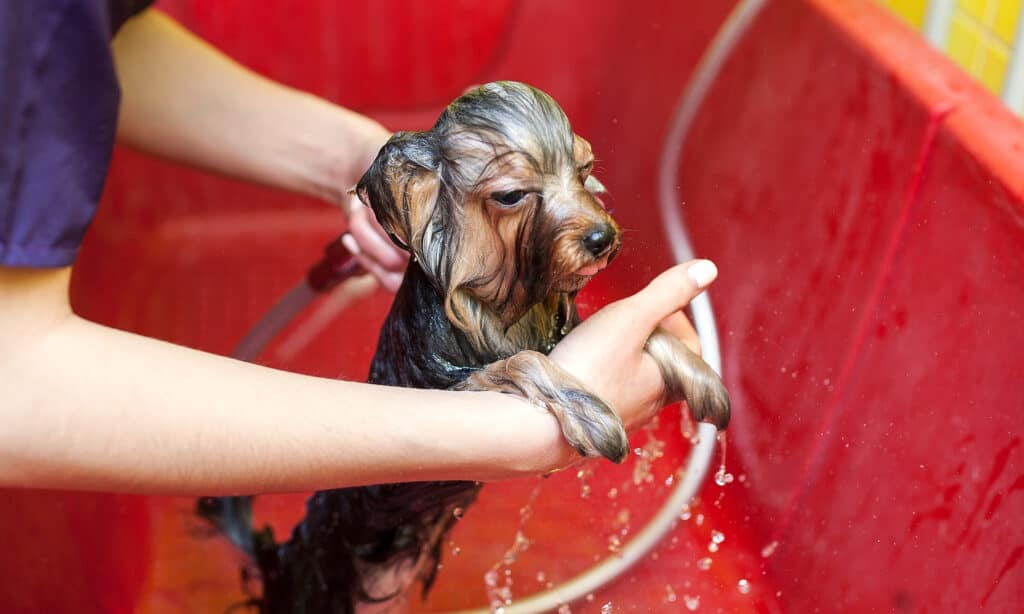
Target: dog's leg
588, 424
688, 377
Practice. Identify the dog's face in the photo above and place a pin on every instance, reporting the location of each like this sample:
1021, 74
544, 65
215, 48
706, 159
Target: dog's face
496, 203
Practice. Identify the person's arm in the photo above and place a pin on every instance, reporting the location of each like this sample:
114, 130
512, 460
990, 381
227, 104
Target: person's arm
185, 101
93, 408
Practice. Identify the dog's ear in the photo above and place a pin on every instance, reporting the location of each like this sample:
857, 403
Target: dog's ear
401, 186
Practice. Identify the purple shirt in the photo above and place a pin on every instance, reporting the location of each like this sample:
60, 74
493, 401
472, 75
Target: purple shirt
58, 114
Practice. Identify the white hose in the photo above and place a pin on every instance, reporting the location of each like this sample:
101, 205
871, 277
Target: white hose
699, 462
286, 309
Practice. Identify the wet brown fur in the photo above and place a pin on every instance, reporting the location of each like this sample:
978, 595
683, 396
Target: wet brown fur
499, 212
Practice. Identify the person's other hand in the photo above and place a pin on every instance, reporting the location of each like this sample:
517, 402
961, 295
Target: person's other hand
606, 351
372, 247
365, 238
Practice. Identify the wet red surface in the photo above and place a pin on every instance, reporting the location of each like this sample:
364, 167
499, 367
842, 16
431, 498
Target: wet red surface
869, 307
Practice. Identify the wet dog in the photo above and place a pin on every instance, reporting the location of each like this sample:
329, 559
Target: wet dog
498, 209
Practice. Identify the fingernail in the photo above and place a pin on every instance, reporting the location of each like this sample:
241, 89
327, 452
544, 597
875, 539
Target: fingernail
702, 272
350, 243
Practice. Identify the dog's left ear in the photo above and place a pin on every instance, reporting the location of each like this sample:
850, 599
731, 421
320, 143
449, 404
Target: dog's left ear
401, 187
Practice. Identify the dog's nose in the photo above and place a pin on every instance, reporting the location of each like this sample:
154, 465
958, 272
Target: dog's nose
599, 240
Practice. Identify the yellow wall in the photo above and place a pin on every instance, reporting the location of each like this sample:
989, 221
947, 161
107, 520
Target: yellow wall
980, 36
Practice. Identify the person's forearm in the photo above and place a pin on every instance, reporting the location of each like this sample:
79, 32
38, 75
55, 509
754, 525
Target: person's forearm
184, 100
89, 407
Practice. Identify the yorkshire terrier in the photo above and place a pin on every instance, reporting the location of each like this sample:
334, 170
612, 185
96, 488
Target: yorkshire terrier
498, 209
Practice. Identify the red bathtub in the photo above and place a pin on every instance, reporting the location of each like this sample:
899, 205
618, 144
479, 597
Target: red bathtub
861, 196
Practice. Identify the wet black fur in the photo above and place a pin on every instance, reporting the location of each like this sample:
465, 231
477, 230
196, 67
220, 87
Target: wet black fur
319, 570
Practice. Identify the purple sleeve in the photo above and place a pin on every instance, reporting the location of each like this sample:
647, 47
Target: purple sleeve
58, 115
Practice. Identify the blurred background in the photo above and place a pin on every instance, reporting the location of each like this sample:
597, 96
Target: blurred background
855, 168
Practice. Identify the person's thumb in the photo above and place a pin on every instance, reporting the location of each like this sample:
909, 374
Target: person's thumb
671, 291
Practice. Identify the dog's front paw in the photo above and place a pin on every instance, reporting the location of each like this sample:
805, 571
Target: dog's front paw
688, 377
588, 424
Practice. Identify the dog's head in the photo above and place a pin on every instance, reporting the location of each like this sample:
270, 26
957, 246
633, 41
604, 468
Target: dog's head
496, 203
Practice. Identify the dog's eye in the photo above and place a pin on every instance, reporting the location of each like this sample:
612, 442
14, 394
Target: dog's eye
586, 169
509, 199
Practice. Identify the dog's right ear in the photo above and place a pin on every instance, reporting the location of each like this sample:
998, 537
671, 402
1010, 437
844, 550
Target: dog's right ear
401, 186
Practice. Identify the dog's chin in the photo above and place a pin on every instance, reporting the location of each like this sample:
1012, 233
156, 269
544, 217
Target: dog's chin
575, 280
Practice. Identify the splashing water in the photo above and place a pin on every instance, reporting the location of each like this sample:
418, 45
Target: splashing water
722, 477
670, 595
687, 427
647, 455
606, 608
583, 475
500, 596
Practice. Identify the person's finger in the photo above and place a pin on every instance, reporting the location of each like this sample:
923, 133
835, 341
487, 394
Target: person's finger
679, 326
671, 291
390, 280
373, 242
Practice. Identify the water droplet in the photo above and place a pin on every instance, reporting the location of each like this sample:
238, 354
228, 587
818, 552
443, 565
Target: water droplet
669, 480
456, 551
584, 475
743, 586
691, 603
541, 576
457, 512
622, 518
590, 598
670, 595
717, 537
606, 608
769, 549
722, 477
614, 543
712, 547
614, 492
684, 514
638, 451
704, 564
564, 609
699, 520
491, 578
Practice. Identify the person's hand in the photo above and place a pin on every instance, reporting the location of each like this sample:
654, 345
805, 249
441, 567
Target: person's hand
372, 247
365, 238
606, 351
